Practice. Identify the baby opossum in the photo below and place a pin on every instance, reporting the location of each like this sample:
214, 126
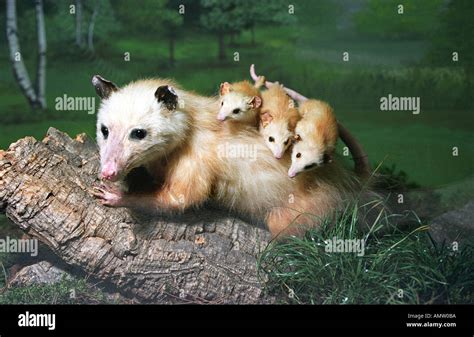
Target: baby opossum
240, 101
278, 118
315, 139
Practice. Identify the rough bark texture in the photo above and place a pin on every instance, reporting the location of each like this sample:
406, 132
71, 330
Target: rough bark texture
200, 256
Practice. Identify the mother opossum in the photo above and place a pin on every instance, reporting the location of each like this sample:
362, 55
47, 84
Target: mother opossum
192, 157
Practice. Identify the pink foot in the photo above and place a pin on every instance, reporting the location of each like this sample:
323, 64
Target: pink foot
109, 195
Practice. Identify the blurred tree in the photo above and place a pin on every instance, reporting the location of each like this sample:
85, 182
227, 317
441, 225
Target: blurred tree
222, 18
154, 17
265, 13
231, 17
172, 22
453, 43
79, 36
34, 94
382, 18
62, 24
90, 32
101, 21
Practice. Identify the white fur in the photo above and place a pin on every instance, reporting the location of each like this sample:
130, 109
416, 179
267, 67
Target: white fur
278, 129
189, 139
232, 101
135, 106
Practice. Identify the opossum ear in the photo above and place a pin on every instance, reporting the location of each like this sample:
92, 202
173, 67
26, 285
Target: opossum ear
255, 102
327, 158
168, 96
266, 119
103, 87
224, 88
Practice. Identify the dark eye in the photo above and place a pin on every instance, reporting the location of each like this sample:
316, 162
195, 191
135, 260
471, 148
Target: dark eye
138, 134
105, 131
298, 155
236, 111
222, 103
271, 139
287, 141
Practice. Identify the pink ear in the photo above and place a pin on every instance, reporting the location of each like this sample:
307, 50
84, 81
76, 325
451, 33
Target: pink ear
224, 88
255, 102
266, 119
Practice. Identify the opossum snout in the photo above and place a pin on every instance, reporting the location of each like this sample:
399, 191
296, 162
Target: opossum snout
292, 172
109, 171
278, 152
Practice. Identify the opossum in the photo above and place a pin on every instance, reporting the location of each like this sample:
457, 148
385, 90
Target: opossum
240, 102
175, 135
278, 118
315, 137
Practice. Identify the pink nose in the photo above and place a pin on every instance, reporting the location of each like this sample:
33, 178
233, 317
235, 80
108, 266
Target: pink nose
109, 171
221, 117
278, 155
291, 173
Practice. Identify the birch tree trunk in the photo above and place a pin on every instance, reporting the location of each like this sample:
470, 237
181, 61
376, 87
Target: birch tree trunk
16, 58
90, 37
203, 256
79, 39
41, 66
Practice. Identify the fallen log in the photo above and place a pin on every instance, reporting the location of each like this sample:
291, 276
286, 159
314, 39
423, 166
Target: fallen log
204, 256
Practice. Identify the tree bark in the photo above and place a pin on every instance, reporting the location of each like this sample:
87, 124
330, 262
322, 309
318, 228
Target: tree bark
16, 58
79, 39
203, 256
90, 35
41, 66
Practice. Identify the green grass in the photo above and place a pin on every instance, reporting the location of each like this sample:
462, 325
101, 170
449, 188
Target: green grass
67, 291
397, 267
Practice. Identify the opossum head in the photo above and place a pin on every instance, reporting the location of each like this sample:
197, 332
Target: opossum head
136, 125
309, 152
276, 134
278, 119
237, 105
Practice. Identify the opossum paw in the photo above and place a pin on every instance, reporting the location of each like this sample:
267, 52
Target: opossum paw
108, 195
